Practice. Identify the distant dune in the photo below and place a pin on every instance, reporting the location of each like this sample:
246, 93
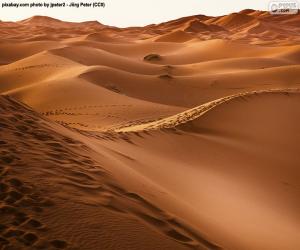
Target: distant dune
173, 136
176, 36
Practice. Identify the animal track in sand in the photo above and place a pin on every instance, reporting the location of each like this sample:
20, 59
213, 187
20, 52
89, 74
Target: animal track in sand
154, 216
23, 204
37, 67
20, 203
194, 113
84, 107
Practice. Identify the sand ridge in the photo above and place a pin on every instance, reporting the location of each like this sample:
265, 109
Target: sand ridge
190, 115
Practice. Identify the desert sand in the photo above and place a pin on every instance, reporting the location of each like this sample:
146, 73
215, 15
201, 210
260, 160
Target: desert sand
180, 135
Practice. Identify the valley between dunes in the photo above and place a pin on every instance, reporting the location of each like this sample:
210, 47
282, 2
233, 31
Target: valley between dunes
180, 135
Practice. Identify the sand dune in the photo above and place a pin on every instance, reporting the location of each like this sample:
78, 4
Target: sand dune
176, 36
32, 220
232, 155
99, 37
197, 26
11, 52
179, 135
234, 20
187, 118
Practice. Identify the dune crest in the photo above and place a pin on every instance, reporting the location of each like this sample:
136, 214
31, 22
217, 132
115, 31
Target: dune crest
185, 117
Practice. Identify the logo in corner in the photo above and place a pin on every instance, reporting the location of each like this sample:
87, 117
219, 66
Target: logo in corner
282, 7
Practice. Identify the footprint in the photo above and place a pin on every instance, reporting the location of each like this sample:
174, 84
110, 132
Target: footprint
20, 218
178, 236
150, 219
7, 159
26, 202
13, 233
115, 188
3, 143
15, 182
60, 244
30, 238
166, 77
34, 223
47, 203
14, 195
144, 202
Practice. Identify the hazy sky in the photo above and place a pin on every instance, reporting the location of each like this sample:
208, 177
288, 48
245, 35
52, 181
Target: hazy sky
125, 13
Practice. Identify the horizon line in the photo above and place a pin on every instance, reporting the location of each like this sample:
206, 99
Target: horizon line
138, 26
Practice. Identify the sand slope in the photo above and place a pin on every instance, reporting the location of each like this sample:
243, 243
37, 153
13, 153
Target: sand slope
237, 154
64, 181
